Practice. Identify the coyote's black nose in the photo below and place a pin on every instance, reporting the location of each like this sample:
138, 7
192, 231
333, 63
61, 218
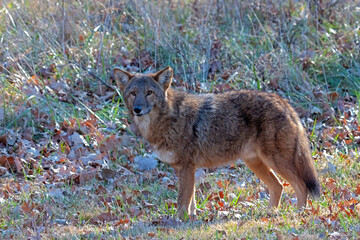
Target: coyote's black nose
137, 109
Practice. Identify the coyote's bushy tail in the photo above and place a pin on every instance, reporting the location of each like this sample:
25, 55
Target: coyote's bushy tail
313, 185
306, 169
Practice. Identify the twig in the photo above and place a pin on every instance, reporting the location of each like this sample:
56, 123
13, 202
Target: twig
87, 108
92, 74
63, 27
97, 78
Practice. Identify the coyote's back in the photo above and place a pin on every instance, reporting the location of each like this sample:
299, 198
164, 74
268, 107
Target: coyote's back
190, 131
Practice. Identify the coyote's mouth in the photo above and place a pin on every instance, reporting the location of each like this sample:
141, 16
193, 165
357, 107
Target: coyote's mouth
142, 113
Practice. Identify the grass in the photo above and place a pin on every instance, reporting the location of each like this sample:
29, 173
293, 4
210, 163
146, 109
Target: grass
54, 114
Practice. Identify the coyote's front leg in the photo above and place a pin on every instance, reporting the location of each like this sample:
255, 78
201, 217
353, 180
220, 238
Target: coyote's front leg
186, 201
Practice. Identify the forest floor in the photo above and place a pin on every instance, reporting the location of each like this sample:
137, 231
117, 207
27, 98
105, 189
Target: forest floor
70, 167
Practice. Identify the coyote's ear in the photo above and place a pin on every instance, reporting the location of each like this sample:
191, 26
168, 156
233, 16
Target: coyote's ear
164, 77
122, 77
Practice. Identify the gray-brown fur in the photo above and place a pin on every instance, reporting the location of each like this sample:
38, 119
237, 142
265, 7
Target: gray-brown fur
206, 130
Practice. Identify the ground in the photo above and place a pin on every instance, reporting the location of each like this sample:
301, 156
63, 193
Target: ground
70, 165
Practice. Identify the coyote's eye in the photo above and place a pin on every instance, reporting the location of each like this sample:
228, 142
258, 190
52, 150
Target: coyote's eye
133, 93
149, 92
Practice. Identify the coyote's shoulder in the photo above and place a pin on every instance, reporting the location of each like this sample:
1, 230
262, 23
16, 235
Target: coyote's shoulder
204, 130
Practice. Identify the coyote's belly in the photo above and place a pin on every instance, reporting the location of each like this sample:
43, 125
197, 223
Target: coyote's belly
165, 156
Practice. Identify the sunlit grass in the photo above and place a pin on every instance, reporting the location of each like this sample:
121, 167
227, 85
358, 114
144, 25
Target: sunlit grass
306, 53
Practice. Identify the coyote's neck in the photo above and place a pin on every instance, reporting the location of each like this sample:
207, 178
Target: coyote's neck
143, 124
155, 128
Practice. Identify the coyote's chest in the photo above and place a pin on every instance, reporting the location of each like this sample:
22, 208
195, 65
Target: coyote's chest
165, 156
143, 124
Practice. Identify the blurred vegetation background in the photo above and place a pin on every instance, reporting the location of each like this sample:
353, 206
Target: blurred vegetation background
307, 51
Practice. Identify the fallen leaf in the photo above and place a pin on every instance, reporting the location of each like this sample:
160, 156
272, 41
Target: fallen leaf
27, 207
7, 161
104, 217
219, 183
86, 176
151, 234
205, 187
122, 222
285, 184
165, 221
107, 174
357, 191
2, 170
135, 211
333, 96
221, 194
165, 229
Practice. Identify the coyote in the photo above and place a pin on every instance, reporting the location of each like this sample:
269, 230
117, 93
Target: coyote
189, 131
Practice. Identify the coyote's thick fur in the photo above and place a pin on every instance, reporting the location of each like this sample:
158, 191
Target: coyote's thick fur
189, 131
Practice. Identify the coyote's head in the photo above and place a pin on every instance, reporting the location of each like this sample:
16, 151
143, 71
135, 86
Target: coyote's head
143, 92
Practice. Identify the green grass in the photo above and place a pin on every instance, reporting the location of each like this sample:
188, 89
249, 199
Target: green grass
308, 53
